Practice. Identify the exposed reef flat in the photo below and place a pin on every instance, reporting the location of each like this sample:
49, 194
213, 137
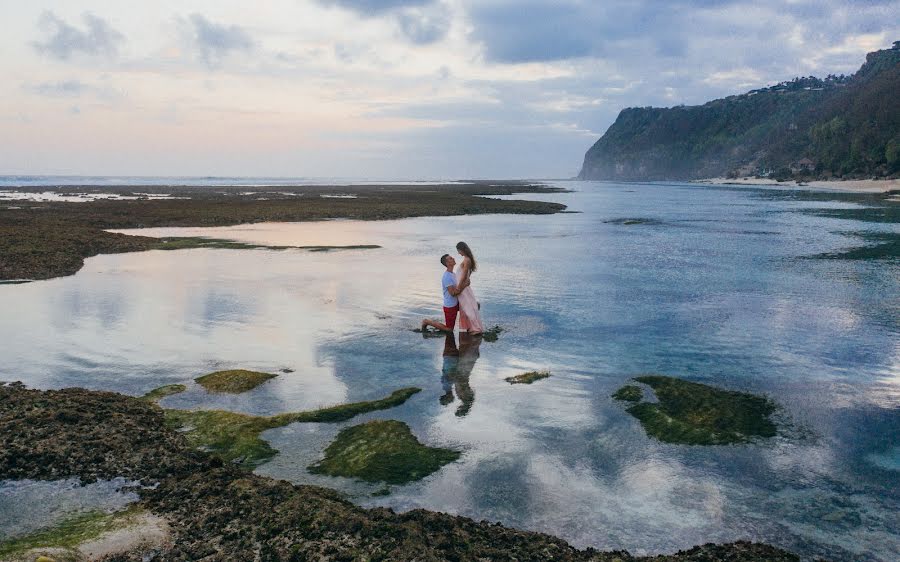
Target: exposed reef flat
41, 240
235, 437
696, 414
234, 381
88, 537
220, 512
527, 378
381, 451
191, 242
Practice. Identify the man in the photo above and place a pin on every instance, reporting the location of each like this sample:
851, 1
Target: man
451, 304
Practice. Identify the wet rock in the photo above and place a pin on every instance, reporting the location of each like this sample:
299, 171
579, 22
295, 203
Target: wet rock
161, 392
233, 381
528, 378
381, 451
491, 334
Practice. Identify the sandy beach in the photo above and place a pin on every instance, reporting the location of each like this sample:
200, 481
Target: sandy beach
851, 186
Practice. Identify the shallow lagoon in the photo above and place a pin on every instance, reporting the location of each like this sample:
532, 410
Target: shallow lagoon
712, 289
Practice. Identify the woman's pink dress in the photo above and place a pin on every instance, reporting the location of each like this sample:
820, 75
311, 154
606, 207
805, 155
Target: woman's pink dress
469, 315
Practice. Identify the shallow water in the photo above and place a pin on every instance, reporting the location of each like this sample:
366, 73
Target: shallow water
714, 288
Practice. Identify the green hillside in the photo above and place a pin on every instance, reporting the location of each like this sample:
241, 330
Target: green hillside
837, 127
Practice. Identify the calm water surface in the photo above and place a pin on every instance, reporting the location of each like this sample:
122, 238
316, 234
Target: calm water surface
715, 289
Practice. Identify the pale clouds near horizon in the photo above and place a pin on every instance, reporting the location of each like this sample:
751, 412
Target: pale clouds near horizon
385, 88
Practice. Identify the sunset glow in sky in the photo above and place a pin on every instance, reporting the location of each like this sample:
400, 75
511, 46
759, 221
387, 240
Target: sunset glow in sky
389, 88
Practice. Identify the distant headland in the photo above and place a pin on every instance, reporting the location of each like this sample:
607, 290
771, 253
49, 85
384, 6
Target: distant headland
839, 127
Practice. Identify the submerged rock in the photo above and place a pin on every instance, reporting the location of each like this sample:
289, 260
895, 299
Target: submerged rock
158, 394
528, 378
234, 381
235, 437
633, 221
696, 414
382, 451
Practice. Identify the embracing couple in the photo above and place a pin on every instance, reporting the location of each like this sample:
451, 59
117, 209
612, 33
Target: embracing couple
459, 299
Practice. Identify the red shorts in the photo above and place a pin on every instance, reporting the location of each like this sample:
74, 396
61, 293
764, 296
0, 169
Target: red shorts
450, 316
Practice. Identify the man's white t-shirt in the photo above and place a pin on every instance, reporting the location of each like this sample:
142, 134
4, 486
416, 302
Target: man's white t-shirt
448, 280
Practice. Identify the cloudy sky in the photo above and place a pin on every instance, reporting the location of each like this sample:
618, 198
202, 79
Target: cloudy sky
385, 88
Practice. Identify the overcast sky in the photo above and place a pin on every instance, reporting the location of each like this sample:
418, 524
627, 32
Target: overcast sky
385, 88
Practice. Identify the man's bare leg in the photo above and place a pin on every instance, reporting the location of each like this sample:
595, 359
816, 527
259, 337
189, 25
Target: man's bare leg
436, 325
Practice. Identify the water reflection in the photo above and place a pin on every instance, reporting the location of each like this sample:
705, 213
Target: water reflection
457, 368
597, 303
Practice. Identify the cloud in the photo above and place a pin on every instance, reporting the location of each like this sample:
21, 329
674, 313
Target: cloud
421, 27
64, 40
371, 8
215, 41
64, 89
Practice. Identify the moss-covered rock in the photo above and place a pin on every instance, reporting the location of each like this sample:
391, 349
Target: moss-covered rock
382, 451
235, 437
629, 393
528, 378
491, 334
233, 381
696, 414
158, 394
70, 533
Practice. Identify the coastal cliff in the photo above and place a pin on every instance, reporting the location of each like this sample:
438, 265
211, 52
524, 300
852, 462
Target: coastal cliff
837, 127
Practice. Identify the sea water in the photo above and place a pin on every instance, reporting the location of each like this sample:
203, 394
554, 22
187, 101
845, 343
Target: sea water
710, 284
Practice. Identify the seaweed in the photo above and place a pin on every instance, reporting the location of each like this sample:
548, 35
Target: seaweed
381, 451
236, 438
629, 393
528, 378
234, 381
696, 414
72, 531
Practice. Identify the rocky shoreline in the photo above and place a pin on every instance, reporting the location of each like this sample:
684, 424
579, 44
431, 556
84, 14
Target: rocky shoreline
218, 511
47, 239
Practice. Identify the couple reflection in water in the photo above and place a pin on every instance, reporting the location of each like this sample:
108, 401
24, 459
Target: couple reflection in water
458, 364
459, 301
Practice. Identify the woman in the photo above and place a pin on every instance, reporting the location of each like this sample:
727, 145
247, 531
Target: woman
469, 314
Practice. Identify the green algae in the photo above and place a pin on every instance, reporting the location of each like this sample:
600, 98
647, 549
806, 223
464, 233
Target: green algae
236, 437
528, 378
696, 414
72, 531
233, 381
158, 394
629, 393
491, 334
381, 451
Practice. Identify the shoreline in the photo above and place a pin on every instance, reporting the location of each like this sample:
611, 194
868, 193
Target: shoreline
51, 238
209, 508
842, 186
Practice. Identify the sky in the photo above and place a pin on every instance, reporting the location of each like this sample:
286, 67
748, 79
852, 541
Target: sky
389, 89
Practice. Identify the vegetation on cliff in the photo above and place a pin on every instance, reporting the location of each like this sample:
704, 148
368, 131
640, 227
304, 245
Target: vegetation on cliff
839, 127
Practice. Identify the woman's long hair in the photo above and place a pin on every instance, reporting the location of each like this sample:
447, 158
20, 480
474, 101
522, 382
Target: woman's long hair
464, 249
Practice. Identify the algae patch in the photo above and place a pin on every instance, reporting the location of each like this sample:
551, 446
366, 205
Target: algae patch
629, 393
696, 414
491, 335
235, 437
72, 532
382, 451
158, 394
233, 381
528, 378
